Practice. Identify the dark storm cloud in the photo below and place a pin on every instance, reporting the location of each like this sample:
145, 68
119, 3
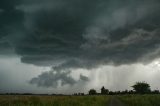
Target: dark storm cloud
89, 33
6, 48
1, 10
10, 22
82, 34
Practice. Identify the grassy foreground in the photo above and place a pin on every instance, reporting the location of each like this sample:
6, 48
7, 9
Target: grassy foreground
140, 100
54, 100
129, 100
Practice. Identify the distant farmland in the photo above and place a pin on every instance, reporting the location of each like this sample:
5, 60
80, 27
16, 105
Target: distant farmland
54, 100
141, 100
126, 100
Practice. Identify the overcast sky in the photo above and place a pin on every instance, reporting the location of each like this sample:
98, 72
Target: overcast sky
59, 46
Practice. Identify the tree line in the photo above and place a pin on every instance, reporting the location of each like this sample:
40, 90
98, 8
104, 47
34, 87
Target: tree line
138, 88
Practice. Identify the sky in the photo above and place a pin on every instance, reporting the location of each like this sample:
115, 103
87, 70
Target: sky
59, 46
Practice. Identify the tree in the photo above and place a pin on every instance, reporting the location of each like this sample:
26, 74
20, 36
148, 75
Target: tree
142, 87
155, 92
92, 92
104, 91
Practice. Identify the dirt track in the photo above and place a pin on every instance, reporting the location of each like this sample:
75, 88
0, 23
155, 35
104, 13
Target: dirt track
115, 102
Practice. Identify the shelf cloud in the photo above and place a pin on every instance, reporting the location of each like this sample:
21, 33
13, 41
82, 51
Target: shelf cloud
76, 34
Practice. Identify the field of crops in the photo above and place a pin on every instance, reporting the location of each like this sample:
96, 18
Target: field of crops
54, 100
127, 100
140, 100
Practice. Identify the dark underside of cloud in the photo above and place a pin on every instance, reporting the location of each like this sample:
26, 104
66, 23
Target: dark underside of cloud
79, 34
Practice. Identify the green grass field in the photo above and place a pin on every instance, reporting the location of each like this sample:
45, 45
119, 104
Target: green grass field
54, 100
128, 100
140, 100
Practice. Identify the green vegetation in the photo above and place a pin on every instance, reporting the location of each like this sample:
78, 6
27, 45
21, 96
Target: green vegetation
129, 100
141, 100
54, 100
141, 95
142, 88
92, 92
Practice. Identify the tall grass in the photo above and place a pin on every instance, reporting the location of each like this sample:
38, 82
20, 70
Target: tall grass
141, 100
54, 100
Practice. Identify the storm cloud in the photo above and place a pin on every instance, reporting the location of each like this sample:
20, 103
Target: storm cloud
56, 78
76, 34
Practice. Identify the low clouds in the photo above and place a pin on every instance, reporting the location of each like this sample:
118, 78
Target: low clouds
14, 76
56, 78
80, 34
51, 79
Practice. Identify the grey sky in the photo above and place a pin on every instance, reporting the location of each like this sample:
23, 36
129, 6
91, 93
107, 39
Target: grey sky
15, 77
59, 44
